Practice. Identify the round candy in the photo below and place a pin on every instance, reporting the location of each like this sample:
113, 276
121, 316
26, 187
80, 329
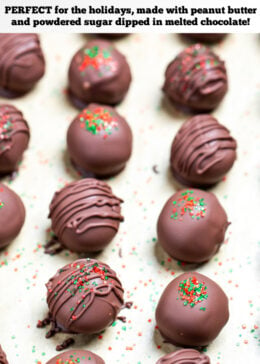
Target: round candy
192, 310
21, 63
184, 356
84, 297
196, 79
99, 141
192, 226
206, 37
12, 215
202, 152
85, 215
14, 138
98, 73
3, 359
76, 357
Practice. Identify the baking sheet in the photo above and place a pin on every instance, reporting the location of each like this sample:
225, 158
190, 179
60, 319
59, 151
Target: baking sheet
141, 265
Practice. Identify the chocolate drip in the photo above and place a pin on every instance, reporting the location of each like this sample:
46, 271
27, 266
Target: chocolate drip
65, 344
184, 356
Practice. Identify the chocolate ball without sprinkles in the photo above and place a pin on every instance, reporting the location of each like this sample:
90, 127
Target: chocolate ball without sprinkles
85, 215
3, 359
192, 225
184, 356
84, 297
202, 152
98, 73
14, 138
196, 79
99, 141
77, 357
12, 215
209, 38
22, 63
192, 310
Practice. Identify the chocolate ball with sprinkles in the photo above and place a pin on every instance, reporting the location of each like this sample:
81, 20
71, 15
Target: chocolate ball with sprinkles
206, 37
76, 357
192, 310
192, 225
202, 152
14, 138
98, 73
99, 141
3, 359
84, 297
85, 216
12, 215
184, 356
196, 79
22, 63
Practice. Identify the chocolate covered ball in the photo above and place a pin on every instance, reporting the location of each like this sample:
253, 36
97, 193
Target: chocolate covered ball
202, 152
196, 79
85, 215
77, 357
14, 138
184, 356
12, 215
98, 73
192, 226
192, 310
3, 359
21, 63
206, 37
99, 141
84, 297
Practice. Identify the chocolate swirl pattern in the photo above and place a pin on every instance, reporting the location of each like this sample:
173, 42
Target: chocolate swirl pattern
196, 79
85, 215
84, 297
21, 62
14, 137
184, 356
202, 152
3, 359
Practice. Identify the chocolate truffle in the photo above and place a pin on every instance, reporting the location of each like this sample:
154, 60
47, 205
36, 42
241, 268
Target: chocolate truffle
12, 215
84, 297
196, 79
192, 226
184, 356
202, 152
206, 37
98, 73
192, 310
14, 138
3, 359
85, 215
21, 63
77, 357
99, 141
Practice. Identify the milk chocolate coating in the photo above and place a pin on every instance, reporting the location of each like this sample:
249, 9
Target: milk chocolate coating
206, 37
85, 215
184, 356
192, 226
14, 138
12, 215
84, 297
3, 359
98, 73
192, 310
202, 152
77, 357
21, 62
196, 79
99, 141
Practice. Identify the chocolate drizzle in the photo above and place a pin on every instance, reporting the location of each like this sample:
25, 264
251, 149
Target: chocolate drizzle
196, 78
201, 145
75, 289
184, 356
21, 61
